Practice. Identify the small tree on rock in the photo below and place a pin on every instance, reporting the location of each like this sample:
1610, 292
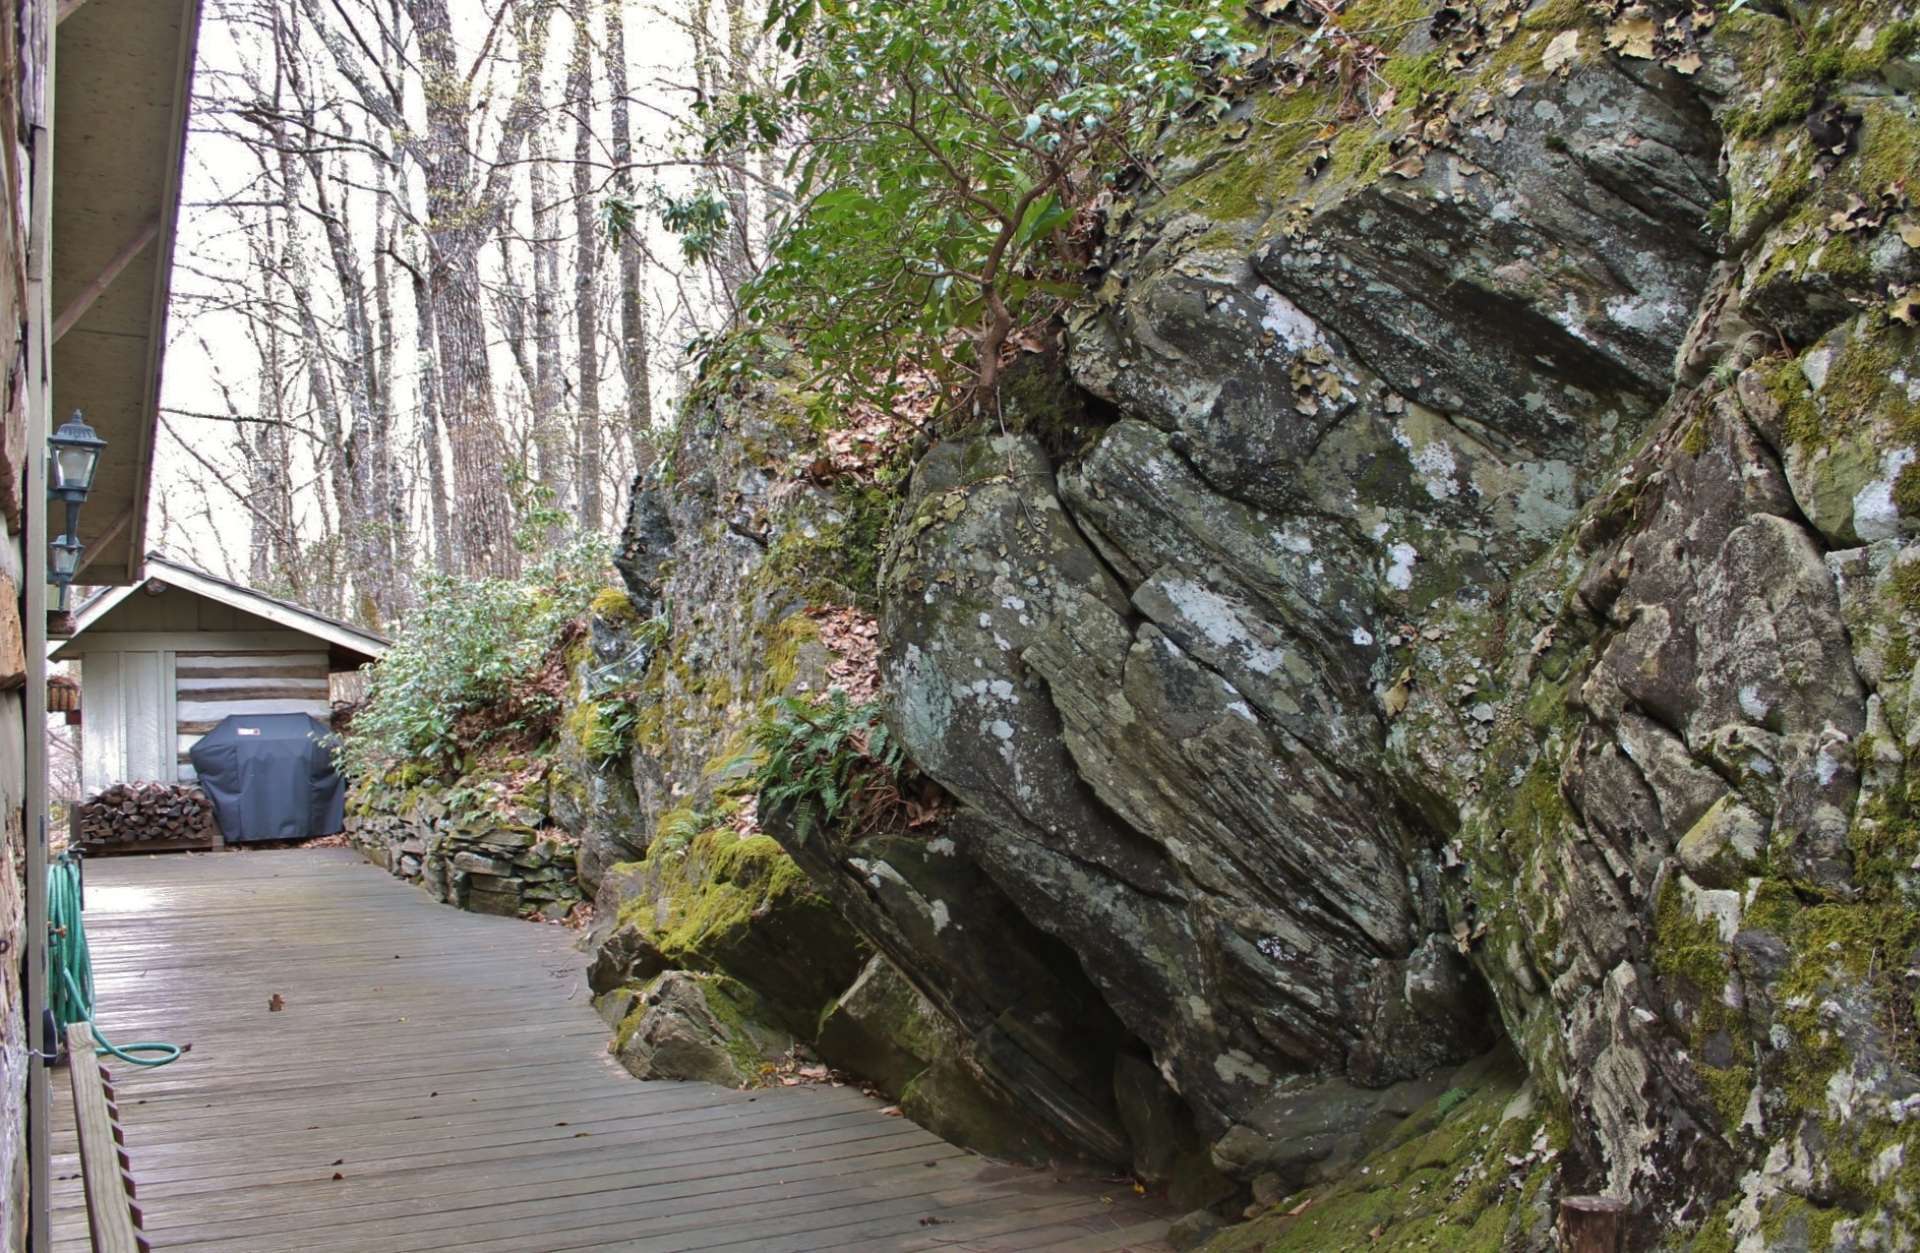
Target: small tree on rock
946, 155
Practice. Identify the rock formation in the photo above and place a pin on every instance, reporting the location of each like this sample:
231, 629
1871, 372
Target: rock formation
1422, 675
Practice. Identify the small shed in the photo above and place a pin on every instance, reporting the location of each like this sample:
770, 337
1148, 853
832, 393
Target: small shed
164, 659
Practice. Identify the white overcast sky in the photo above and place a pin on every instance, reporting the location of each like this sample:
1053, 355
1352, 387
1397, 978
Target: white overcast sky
207, 349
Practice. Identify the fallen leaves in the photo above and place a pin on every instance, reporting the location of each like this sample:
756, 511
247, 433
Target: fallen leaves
1905, 306
1314, 381
1413, 165
853, 638
1668, 32
1633, 36
1394, 701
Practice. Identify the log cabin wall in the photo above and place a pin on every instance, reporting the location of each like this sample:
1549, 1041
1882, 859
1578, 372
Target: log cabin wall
208, 686
23, 68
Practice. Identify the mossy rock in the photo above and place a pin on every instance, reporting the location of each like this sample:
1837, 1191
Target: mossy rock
883, 1029
1446, 1179
740, 906
950, 1100
702, 1027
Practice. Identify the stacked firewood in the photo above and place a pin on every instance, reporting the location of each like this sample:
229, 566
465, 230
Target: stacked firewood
135, 813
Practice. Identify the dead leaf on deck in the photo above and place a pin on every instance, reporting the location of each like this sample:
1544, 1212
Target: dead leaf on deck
276, 1003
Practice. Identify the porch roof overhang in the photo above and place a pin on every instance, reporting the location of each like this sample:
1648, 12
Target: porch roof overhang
121, 85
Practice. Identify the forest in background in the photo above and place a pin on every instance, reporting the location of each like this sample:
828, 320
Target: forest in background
404, 340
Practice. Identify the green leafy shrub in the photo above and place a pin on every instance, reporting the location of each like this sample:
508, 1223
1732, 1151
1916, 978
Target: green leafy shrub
833, 762
947, 156
468, 663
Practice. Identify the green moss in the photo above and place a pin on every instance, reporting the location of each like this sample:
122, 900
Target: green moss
1802, 419
735, 1009
1693, 439
783, 642
1792, 65
1695, 964
1444, 1180
1772, 907
1904, 583
1714, 1235
614, 605
1420, 76
836, 560
715, 887
1793, 1221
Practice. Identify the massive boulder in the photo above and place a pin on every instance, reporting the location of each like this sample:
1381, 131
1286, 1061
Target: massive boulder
1424, 675
1473, 619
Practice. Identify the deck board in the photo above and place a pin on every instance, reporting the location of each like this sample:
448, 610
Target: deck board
448, 1067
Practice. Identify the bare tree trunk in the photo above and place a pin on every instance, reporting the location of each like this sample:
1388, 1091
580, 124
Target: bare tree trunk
739, 84
460, 218
633, 310
388, 510
354, 461
708, 77
586, 276
549, 433
446, 551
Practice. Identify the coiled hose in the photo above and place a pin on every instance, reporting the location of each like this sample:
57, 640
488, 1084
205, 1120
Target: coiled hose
70, 969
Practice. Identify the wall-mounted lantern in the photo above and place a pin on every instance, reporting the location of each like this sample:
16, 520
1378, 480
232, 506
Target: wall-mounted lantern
73, 454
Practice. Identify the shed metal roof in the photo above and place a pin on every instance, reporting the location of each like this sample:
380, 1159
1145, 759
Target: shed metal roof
341, 636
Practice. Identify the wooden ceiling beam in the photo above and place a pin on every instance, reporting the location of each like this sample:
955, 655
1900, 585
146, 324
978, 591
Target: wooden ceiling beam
113, 532
84, 298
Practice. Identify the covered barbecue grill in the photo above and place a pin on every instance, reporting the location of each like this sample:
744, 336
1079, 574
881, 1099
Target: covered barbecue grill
271, 777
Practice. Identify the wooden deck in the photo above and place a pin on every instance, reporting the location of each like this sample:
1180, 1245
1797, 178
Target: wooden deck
437, 1080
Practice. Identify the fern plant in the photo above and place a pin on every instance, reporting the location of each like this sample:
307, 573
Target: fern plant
832, 762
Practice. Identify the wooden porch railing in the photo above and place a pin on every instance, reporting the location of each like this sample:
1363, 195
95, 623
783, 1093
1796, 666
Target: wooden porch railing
105, 1169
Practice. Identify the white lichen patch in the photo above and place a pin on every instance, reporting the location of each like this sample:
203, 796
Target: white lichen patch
1236, 1065
1547, 502
1875, 515
1434, 463
1216, 618
1400, 560
1288, 323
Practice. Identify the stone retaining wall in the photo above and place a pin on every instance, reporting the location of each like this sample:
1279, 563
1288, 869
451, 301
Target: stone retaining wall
485, 865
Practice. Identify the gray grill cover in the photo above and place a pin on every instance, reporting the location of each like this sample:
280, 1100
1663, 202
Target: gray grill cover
271, 777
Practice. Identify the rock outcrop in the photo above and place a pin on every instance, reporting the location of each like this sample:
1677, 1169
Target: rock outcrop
1419, 681
1475, 620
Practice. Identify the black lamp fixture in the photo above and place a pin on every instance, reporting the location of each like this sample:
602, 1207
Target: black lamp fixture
73, 454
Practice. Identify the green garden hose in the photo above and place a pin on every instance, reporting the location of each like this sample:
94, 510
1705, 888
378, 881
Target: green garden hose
70, 969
